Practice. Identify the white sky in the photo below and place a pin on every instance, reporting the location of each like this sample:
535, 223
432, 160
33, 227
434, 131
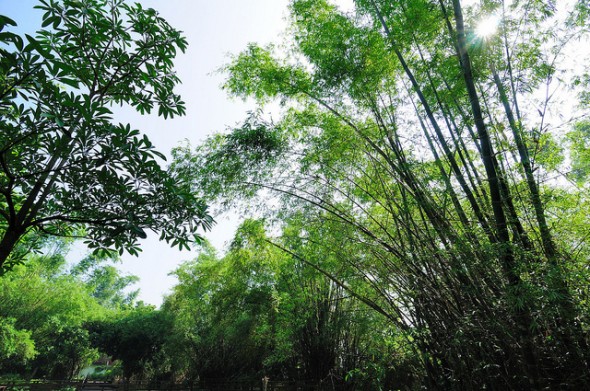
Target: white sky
214, 29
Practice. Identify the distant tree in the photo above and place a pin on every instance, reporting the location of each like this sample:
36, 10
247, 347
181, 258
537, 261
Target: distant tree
17, 346
105, 282
136, 337
65, 164
42, 309
67, 351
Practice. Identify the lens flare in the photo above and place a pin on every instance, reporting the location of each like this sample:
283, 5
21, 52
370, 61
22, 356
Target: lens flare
487, 26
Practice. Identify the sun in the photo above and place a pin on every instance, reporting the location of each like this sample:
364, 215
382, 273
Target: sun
487, 26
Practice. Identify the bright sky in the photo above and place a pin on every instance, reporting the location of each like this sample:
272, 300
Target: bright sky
214, 30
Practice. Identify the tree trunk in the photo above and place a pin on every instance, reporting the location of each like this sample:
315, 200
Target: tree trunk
9, 241
522, 316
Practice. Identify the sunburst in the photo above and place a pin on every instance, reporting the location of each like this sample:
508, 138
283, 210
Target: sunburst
487, 26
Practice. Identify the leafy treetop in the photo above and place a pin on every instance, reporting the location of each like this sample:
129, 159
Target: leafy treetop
65, 165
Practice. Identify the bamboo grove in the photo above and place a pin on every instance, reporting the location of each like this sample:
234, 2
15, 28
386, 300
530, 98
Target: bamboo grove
423, 168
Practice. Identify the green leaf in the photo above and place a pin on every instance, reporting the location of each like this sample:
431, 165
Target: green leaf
70, 82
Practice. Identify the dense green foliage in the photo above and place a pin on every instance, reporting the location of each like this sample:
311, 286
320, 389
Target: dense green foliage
45, 306
65, 164
258, 312
134, 337
419, 167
